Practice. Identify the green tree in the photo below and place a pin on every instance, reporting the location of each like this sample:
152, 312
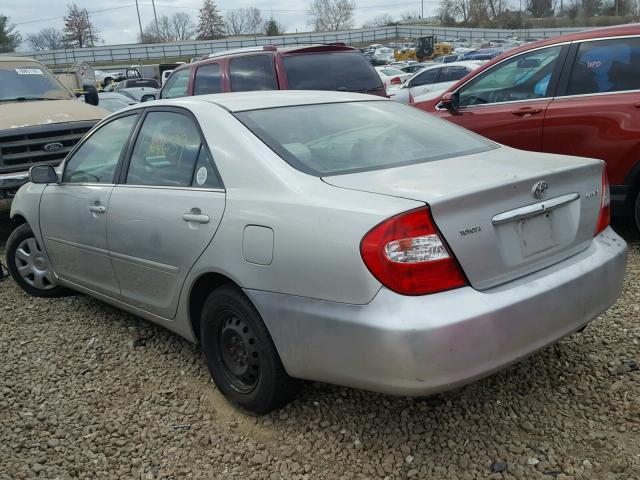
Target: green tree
78, 29
9, 38
211, 23
272, 28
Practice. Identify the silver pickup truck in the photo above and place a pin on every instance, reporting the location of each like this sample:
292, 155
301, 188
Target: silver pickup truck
40, 120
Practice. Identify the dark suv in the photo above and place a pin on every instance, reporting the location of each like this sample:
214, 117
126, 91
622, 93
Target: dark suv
312, 67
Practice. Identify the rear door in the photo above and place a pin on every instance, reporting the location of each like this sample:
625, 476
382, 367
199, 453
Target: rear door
507, 102
165, 210
73, 214
597, 111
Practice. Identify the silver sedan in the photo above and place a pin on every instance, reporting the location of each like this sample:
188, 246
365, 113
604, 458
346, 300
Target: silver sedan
325, 236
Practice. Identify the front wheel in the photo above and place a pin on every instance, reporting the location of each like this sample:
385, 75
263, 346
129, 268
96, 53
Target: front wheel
29, 265
241, 356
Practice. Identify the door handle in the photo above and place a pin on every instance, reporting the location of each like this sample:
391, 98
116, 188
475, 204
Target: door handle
97, 208
196, 217
521, 112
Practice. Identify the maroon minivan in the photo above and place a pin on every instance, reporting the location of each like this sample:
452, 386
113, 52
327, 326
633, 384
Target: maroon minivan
312, 67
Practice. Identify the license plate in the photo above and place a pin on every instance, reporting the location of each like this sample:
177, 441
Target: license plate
536, 234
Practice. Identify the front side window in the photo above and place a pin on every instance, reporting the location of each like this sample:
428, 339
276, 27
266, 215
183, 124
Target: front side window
96, 159
251, 73
331, 139
606, 66
208, 79
177, 85
425, 78
166, 151
523, 77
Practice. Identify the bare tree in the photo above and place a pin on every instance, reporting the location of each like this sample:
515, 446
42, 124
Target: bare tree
383, 20
331, 15
540, 8
235, 20
183, 26
46, 39
211, 23
244, 21
9, 38
78, 29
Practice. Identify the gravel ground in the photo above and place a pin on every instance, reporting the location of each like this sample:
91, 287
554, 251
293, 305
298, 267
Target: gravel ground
87, 391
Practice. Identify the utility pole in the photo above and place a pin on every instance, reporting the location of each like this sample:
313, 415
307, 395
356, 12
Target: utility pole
422, 16
86, 13
139, 22
153, 3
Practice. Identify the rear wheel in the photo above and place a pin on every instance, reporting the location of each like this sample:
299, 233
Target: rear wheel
636, 211
29, 266
240, 354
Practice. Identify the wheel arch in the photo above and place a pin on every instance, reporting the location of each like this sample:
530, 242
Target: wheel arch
200, 290
633, 181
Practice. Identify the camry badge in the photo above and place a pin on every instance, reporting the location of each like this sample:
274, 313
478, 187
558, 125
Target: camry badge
539, 190
53, 147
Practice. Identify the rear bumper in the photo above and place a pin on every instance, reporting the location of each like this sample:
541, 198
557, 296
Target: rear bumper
421, 345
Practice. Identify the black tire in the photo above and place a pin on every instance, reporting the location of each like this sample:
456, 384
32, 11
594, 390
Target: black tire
18, 238
636, 211
248, 370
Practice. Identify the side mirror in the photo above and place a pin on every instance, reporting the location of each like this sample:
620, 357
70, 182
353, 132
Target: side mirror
43, 174
91, 95
148, 97
450, 101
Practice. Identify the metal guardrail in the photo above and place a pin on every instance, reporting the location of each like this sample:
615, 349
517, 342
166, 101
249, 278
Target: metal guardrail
135, 53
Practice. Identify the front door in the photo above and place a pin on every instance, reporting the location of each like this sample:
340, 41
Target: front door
507, 103
73, 214
165, 211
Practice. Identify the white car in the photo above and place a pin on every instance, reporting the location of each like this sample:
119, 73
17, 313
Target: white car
392, 76
165, 76
384, 54
435, 77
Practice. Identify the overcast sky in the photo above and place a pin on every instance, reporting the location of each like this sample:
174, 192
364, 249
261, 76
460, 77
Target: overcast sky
117, 20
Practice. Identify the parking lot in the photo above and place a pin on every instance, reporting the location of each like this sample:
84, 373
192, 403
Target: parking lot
88, 391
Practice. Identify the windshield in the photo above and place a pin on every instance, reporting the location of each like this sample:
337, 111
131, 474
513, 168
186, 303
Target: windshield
331, 139
345, 71
29, 81
141, 82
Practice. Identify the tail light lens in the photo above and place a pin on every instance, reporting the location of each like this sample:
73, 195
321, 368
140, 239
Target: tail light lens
604, 217
407, 255
410, 97
396, 81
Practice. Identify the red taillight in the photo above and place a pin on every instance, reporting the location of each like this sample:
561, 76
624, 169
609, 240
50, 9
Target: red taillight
407, 255
604, 217
410, 97
396, 81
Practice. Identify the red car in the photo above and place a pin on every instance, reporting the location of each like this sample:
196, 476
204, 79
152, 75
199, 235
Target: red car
311, 67
576, 94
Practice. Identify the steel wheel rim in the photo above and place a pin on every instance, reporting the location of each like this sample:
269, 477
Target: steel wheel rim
32, 265
239, 356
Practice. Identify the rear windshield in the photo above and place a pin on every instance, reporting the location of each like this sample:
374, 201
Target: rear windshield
337, 138
344, 71
142, 82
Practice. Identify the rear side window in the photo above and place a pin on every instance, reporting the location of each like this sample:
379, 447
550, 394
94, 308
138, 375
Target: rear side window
208, 79
177, 84
252, 73
606, 66
348, 71
452, 74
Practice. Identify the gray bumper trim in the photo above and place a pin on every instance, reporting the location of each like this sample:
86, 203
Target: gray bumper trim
421, 345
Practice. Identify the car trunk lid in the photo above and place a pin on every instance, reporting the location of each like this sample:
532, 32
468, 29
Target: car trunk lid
487, 208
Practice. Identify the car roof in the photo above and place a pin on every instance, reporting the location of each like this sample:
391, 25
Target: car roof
463, 63
256, 100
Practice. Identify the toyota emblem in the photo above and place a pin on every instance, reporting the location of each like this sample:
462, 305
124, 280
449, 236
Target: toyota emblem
539, 190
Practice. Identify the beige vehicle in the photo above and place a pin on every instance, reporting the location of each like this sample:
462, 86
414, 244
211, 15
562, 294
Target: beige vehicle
40, 120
